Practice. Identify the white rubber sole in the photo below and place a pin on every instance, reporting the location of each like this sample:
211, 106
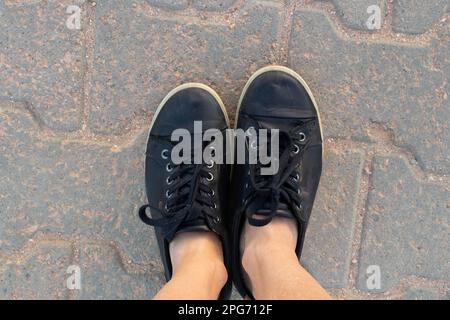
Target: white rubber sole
291, 73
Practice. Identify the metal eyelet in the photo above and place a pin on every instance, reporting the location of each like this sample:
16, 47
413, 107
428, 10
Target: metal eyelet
296, 149
210, 177
216, 220
169, 168
212, 193
164, 154
214, 206
213, 151
297, 177
169, 181
302, 136
168, 194
166, 207
210, 165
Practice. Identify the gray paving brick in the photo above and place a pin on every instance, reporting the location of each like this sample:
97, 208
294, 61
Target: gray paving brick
70, 188
354, 14
41, 274
213, 5
41, 61
406, 226
415, 16
170, 4
132, 74
103, 277
357, 83
418, 293
327, 249
75, 187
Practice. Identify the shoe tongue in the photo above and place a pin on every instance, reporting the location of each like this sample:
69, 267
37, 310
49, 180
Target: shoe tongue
194, 222
262, 206
194, 228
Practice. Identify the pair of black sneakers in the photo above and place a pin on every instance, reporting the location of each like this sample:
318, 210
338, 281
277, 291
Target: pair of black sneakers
219, 197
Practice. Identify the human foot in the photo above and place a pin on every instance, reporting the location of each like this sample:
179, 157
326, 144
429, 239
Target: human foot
277, 237
199, 250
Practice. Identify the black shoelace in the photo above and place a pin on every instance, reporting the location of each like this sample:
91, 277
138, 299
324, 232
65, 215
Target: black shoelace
281, 188
188, 199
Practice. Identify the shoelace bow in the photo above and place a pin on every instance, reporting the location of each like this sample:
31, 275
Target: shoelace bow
281, 187
188, 192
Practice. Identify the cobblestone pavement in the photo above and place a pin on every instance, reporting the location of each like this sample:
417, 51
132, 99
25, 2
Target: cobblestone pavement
75, 106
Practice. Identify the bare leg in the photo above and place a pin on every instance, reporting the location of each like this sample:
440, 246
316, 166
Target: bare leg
198, 269
273, 269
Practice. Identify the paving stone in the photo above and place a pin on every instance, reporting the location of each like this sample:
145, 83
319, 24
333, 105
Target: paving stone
104, 278
90, 190
358, 83
415, 16
41, 274
133, 74
327, 249
170, 4
72, 188
418, 293
41, 61
213, 5
406, 226
354, 14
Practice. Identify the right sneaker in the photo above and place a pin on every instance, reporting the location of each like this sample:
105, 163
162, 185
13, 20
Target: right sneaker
276, 97
186, 197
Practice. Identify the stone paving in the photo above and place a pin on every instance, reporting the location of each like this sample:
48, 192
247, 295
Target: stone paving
75, 106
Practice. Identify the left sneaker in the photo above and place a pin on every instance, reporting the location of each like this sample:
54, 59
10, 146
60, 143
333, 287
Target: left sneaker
276, 97
186, 197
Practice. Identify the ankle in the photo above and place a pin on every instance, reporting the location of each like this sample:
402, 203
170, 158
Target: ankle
279, 235
263, 262
268, 248
199, 271
195, 251
257, 255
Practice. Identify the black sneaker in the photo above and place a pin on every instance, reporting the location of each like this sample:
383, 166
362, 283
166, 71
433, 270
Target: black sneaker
185, 197
277, 98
